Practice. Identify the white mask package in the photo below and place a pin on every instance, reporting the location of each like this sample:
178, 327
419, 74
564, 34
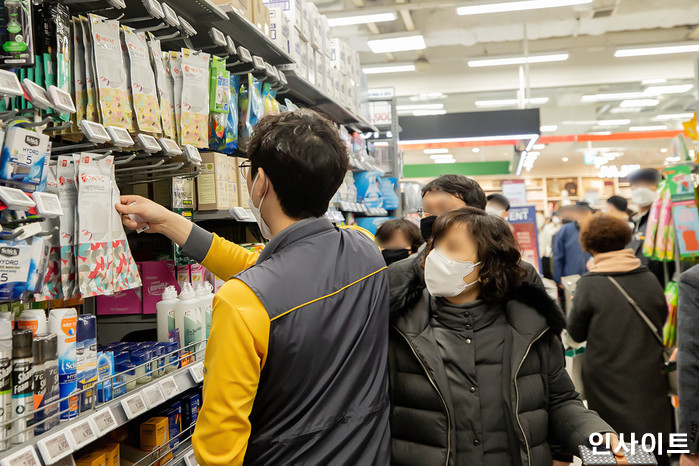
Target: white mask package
165, 90
142, 80
194, 122
68, 196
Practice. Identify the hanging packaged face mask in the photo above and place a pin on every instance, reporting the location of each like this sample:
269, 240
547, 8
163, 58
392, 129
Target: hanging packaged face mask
68, 196
78, 61
175, 66
110, 71
164, 88
51, 284
143, 91
94, 239
91, 108
195, 98
256, 211
643, 197
125, 276
446, 277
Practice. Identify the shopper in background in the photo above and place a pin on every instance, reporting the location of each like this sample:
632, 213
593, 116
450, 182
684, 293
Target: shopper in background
498, 205
546, 235
296, 363
644, 187
476, 363
568, 256
688, 362
622, 372
617, 207
398, 239
439, 196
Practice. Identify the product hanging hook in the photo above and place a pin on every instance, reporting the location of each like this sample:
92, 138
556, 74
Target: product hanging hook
54, 129
34, 124
126, 160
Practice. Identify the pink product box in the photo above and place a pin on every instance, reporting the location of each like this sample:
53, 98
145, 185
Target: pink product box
216, 282
156, 276
197, 274
124, 302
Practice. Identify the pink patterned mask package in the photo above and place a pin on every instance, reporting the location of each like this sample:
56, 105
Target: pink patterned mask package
68, 195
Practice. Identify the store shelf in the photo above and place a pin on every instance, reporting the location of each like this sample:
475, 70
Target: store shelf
219, 215
299, 89
184, 380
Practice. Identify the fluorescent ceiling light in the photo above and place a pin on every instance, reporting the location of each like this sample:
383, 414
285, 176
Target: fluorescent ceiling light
601, 133
674, 116
661, 50
548, 128
476, 150
553, 57
388, 69
632, 103
539, 146
580, 123
565, 159
398, 44
648, 128
509, 102
504, 137
445, 161
441, 157
428, 112
664, 90
613, 122
535, 154
517, 6
625, 110
612, 96
427, 96
436, 151
362, 19
654, 81
412, 107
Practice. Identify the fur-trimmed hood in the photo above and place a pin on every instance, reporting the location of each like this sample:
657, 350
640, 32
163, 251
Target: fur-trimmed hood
407, 297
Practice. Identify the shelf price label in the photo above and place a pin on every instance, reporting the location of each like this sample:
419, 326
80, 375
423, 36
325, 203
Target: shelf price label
104, 421
190, 459
82, 433
153, 395
197, 371
134, 405
169, 387
25, 457
54, 447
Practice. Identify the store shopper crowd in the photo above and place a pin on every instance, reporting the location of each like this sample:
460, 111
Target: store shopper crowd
320, 353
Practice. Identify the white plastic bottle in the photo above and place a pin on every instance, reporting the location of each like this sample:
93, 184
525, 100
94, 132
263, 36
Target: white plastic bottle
187, 301
34, 320
165, 313
193, 327
205, 297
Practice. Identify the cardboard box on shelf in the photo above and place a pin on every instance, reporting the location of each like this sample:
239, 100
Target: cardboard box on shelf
91, 459
293, 9
305, 22
212, 182
232, 179
316, 38
111, 453
346, 55
241, 7
121, 303
260, 16
279, 28
325, 35
154, 433
337, 54
320, 69
156, 276
297, 50
311, 65
243, 194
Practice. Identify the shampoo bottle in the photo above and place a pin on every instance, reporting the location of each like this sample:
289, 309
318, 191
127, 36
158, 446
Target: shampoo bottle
187, 300
5, 382
165, 313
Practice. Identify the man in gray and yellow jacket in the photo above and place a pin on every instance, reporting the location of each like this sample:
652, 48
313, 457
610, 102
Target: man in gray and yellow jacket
296, 363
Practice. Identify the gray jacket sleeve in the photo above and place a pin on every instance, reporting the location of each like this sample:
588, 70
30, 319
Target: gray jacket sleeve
580, 315
198, 243
569, 419
688, 356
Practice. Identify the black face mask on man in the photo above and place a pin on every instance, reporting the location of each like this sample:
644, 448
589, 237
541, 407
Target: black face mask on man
426, 226
394, 255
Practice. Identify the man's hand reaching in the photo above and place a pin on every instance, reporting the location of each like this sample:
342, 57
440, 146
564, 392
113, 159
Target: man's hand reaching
154, 217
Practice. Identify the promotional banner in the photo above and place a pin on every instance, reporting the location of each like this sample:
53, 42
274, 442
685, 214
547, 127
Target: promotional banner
523, 221
515, 191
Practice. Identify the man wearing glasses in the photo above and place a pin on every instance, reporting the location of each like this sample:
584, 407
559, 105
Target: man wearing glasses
296, 362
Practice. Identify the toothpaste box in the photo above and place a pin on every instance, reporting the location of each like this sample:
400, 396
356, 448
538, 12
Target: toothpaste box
174, 416
156, 276
23, 156
190, 412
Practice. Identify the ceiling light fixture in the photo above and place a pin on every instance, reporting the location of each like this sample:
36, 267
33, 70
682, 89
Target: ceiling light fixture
565, 159
617, 110
674, 116
476, 150
411, 107
436, 151
504, 137
441, 156
655, 91
510, 102
661, 50
517, 6
654, 81
547, 58
648, 128
633, 103
539, 146
427, 96
362, 19
428, 112
663, 150
401, 43
611, 97
548, 128
388, 69
600, 133
614, 122
445, 161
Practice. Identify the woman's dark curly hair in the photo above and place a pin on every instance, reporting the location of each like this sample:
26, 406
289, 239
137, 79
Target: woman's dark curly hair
498, 252
604, 233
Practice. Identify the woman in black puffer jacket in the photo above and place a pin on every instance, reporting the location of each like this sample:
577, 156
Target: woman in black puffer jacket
476, 364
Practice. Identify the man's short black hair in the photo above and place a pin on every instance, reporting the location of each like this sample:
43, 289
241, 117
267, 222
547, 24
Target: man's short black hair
500, 199
460, 186
619, 203
645, 175
304, 157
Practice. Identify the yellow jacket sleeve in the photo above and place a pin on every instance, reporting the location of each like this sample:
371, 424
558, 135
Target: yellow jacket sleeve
226, 259
235, 355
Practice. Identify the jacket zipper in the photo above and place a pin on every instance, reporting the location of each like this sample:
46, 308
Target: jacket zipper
526, 443
444, 402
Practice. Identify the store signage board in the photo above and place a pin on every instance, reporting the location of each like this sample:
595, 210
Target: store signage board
25, 457
523, 221
515, 191
104, 421
55, 447
381, 93
380, 113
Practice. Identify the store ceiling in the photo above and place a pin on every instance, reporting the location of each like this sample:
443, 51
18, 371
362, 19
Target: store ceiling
589, 33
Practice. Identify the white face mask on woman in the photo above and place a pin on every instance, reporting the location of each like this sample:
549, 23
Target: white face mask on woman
445, 277
643, 197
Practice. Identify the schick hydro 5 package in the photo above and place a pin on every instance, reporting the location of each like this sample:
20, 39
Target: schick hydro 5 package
23, 156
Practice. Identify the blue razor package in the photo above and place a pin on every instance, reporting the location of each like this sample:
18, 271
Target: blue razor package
23, 156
